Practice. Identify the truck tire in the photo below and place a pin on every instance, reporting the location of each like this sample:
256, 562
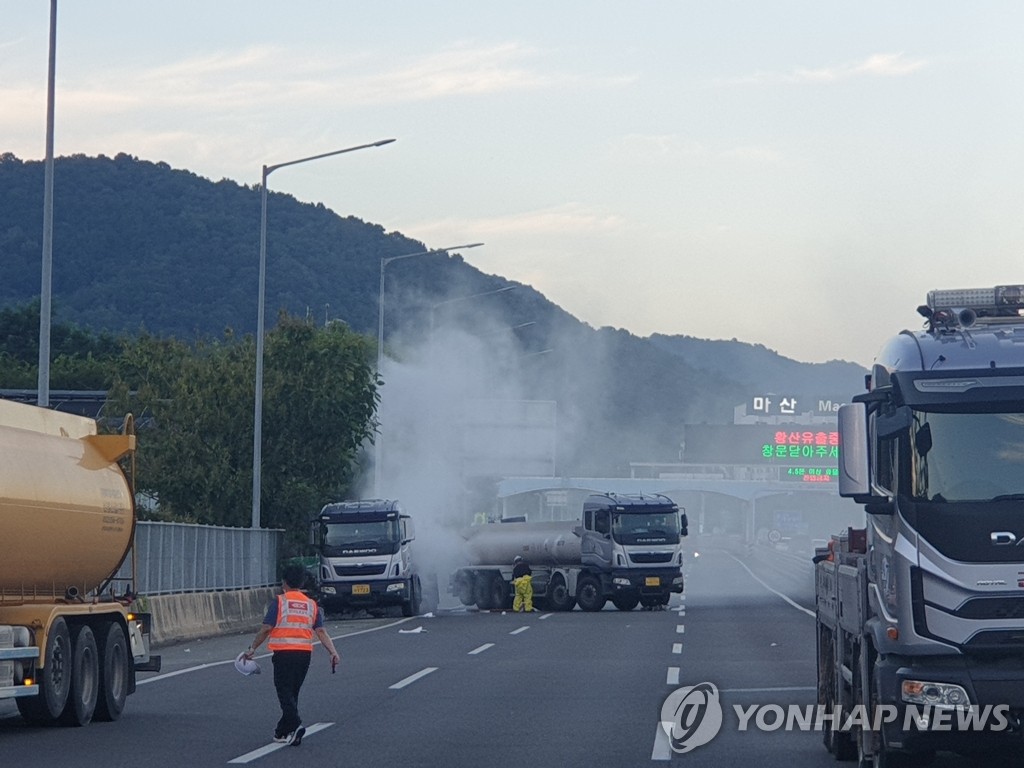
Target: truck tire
482, 592
464, 589
85, 677
559, 598
589, 595
55, 680
411, 607
500, 597
626, 602
114, 673
430, 598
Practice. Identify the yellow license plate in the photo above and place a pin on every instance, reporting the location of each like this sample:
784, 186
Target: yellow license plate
652, 581
360, 589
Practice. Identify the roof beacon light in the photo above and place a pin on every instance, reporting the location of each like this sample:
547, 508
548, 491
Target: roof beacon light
1000, 301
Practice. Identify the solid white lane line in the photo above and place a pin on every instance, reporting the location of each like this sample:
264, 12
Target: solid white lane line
412, 678
773, 591
200, 667
680, 629
517, 631
673, 676
248, 757
677, 647
481, 649
662, 750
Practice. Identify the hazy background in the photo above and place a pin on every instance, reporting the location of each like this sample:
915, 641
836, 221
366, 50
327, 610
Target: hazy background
795, 174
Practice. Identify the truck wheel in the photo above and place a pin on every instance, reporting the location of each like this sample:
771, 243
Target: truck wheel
429, 598
464, 589
589, 595
559, 598
482, 592
411, 607
54, 681
113, 655
626, 602
85, 677
499, 593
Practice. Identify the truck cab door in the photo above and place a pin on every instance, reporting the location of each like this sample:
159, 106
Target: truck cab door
596, 542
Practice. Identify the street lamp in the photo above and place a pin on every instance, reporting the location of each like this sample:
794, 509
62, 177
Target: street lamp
466, 298
385, 260
257, 437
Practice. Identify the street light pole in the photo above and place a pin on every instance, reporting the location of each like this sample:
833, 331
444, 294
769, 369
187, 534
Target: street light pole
385, 260
257, 436
467, 298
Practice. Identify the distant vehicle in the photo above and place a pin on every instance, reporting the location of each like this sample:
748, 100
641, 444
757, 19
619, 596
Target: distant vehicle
366, 558
69, 644
923, 611
627, 550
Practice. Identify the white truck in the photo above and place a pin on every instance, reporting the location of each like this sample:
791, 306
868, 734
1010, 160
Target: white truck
366, 558
920, 616
627, 549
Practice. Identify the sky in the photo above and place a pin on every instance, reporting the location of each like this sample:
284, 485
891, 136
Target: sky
792, 174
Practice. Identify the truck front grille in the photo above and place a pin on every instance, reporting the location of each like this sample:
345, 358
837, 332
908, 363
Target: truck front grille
372, 569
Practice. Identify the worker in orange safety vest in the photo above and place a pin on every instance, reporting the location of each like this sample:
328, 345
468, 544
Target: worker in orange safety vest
291, 621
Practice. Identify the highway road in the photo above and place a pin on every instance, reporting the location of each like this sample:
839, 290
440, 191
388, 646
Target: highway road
464, 688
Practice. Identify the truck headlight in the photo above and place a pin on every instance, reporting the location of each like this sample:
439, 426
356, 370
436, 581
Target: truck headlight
329, 590
620, 582
938, 695
396, 587
677, 580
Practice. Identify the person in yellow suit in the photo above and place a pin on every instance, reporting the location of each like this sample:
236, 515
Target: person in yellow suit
522, 578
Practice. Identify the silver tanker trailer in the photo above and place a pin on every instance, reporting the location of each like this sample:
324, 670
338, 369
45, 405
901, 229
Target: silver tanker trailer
626, 549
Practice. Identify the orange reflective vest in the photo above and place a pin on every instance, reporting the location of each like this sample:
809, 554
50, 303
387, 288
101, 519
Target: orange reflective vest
296, 614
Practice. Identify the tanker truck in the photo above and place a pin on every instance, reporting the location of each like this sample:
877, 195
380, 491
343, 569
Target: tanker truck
366, 558
627, 549
69, 644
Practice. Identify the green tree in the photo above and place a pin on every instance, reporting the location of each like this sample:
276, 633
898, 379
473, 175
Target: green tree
194, 408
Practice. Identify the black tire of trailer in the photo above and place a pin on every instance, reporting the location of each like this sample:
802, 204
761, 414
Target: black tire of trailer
54, 682
482, 591
839, 743
501, 597
626, 602
85, 677
464, 588
115, 673
589, 595
559, 598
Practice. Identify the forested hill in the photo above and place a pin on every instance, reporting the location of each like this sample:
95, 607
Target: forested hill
139, 245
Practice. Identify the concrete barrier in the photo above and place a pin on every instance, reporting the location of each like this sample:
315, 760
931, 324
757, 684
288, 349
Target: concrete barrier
178, 618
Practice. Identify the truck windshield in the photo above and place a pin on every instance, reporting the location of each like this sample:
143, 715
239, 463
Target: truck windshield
968, 456
646, 528
380, 538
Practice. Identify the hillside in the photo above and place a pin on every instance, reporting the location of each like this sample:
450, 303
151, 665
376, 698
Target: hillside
138, 244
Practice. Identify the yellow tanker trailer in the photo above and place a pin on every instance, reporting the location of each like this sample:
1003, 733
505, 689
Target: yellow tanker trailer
69, 645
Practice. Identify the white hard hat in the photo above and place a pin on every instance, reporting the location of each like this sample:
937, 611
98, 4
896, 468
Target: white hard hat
246, 666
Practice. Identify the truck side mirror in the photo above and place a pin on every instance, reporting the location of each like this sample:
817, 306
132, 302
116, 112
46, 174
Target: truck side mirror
684, 525
854, 474
314, 531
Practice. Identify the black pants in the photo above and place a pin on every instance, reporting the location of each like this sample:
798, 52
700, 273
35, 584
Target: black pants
290, 668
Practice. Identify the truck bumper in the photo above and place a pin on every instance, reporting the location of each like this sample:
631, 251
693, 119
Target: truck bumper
651, 582
995, 690
365, 593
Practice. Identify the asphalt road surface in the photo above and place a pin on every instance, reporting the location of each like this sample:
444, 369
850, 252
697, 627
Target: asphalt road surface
464, 688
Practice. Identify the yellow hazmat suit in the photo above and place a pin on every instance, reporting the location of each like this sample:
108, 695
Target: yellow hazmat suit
524, 594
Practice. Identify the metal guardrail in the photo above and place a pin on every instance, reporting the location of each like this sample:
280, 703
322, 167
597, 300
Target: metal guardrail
173, 558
